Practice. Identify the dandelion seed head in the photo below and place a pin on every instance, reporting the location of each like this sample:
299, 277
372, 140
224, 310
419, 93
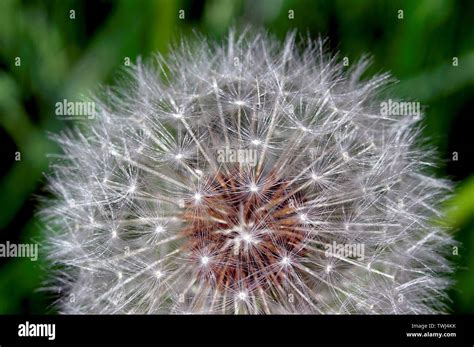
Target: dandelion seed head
246, 184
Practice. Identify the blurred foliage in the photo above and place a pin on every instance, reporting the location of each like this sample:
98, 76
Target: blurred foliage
63, 57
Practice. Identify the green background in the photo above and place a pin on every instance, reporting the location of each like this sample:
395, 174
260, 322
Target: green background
64, 58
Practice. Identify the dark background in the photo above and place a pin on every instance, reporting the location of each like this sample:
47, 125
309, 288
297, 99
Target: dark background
64, 58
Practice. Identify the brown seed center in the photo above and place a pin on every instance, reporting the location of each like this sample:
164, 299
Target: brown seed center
243, 234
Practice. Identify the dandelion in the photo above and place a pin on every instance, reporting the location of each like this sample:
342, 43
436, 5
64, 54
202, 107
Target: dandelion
145, 219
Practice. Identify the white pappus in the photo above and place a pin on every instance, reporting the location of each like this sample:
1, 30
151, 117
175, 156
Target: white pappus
144, 218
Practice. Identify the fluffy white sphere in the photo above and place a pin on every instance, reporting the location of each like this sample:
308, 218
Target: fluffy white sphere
248, 177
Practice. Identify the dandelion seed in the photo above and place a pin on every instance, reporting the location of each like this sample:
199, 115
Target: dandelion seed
197, 197
256, 142
253, 188
242, 296
204, 260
